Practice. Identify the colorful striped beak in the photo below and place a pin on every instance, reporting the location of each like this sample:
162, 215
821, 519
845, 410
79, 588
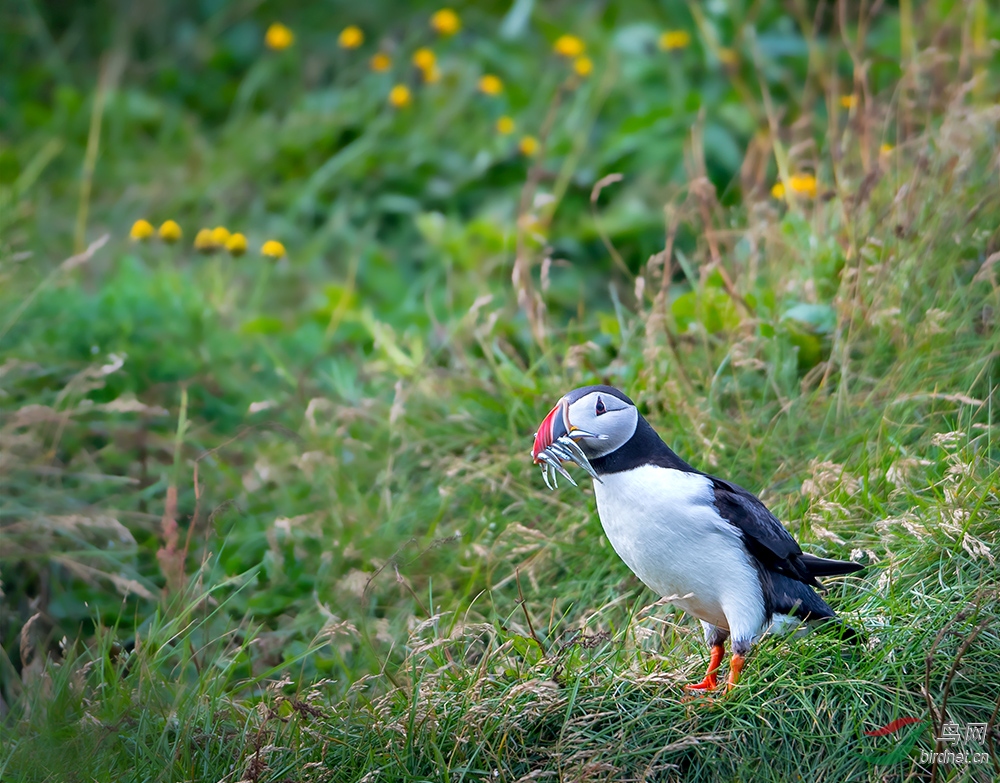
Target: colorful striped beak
554, 426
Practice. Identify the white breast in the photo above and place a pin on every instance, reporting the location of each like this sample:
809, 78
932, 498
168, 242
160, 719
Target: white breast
664, 525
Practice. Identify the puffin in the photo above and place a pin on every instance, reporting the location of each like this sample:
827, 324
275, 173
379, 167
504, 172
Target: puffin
705, 544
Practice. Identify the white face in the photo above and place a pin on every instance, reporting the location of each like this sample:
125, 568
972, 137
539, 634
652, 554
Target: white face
606, 416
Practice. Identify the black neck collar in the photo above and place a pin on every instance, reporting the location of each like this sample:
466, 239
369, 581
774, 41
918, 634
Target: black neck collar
645, 447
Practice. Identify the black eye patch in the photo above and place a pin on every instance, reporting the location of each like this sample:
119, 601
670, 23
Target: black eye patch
599, 408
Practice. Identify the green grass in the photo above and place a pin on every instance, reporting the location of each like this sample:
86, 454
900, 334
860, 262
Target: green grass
277, 521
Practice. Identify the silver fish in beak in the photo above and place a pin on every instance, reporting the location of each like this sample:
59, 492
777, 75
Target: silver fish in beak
555, 443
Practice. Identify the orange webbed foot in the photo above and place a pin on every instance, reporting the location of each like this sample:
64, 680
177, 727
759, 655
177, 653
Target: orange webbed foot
735, 668
711, 681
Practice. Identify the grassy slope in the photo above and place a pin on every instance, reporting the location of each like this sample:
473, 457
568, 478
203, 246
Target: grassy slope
424, 609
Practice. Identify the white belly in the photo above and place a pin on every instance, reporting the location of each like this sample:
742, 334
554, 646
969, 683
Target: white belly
664, 525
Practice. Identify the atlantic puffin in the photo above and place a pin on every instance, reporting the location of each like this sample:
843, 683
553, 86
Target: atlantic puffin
707, 545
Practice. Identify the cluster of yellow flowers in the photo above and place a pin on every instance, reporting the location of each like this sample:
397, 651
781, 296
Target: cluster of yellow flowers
207, 240
573, 48
446, 23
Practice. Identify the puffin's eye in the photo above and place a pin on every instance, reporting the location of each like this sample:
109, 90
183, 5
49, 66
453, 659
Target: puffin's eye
599, 408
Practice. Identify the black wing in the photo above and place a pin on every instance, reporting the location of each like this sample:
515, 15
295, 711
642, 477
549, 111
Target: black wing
763, 535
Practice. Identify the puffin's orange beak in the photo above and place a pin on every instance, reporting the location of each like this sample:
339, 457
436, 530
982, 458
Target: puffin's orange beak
553, 426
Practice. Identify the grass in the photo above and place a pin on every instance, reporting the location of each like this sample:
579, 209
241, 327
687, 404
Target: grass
275, 521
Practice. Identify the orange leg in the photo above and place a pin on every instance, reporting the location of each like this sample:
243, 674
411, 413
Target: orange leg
735, 667
710, 681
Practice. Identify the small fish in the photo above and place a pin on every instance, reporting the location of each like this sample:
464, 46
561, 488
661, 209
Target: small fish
564, 449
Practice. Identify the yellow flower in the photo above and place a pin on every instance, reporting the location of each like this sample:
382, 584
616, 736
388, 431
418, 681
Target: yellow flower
528, 146
141, 230
351, 37
885, 149
728, 56
505, 125
204, 242
170, 232
220, 235
490, 84
380, 63
675, 39
272, 249
568, 46
424, 59
399, 96
802, 184
848, 101
583, 66
431, 75
237, 245
445, 22
278, 37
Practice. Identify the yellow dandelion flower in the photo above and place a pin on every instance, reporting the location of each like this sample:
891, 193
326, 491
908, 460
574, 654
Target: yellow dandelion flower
568, 46
424, 59
675, 39
490, 84
528, 146
431, 75
220, 235
237, 245
728, 56
170, 232
505, 125
351, 37
204, 242
803, 184
141, 230
399, 96
848, 101
272, 249
278, 37
583, 66
380, 63
445, 22
885, 149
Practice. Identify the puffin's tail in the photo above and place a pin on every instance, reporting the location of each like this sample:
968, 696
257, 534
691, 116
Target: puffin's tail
789, 596
820, 566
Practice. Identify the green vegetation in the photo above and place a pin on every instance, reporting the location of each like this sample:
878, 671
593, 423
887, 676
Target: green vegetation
273, 519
